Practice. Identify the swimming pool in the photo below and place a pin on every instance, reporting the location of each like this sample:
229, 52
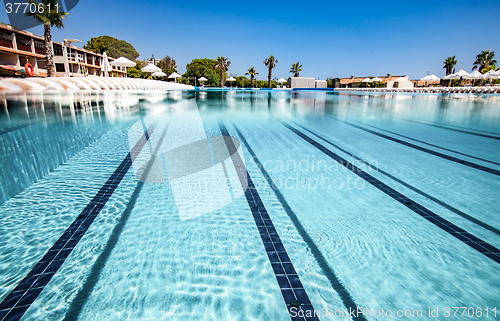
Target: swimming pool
250, 205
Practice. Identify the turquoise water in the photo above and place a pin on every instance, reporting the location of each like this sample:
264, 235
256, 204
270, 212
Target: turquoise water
177, 239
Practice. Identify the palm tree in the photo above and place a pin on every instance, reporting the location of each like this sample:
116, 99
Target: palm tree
484, 60
222, 65
270, 64
252, 72
449, 65
49, 18
296, 68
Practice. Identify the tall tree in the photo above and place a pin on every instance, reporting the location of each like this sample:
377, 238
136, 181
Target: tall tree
252, 72
51, 16
168, 65
270, 64
296, 68
449, 65
222, 65
202, 67
114, 48
484, 61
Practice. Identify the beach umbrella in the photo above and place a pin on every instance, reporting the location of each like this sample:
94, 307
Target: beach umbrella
367, 80
174, 75
123, 62
150, 68
429, 78
202, 79
281, 80
475, 75
105, 67
377, 79
462, 73
231, 79
159, 74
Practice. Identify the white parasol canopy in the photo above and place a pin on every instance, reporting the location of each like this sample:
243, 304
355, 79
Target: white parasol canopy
202, 79
122, 62
105, 67
377, 79
281, 80
231, 79
462, 73
150, 68
431, 78
174, 75
159, 74
367, 80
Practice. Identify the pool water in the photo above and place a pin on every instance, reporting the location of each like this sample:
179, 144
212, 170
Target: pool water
250, 205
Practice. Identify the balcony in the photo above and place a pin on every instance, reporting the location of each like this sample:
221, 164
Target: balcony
75, 57
6, 43
89, 61
24, 47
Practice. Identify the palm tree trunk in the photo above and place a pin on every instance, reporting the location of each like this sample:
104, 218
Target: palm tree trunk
49, 56
251, 78
269, 77
221, 78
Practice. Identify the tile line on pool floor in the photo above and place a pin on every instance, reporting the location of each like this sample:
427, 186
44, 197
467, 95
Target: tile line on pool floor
426, 150
422, 142
288, 280
344, 295
456, 130
81, 298
416, 190
467, 238
18, 301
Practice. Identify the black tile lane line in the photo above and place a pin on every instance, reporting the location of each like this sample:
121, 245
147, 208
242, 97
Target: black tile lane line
24, 294
81, 298
457, 130
288, 280
422, 142
426, 150
432, 198
476, 243
344, 295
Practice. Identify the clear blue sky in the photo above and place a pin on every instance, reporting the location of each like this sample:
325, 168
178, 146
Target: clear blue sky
329, 38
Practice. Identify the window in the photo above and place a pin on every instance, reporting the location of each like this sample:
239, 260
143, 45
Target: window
58, 51
60, 68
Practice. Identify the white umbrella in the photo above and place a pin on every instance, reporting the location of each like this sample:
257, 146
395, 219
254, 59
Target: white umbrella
430, 78
493, 74
150, 68
281, 80
366, 80
231, 79
202, 79
105, 67
476, 75
377, 79
123, 62
462, 73
159, 74
174, 75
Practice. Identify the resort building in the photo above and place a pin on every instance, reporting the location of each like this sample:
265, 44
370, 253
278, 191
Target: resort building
18, 47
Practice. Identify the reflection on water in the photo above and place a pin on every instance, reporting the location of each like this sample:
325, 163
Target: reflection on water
470, 111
